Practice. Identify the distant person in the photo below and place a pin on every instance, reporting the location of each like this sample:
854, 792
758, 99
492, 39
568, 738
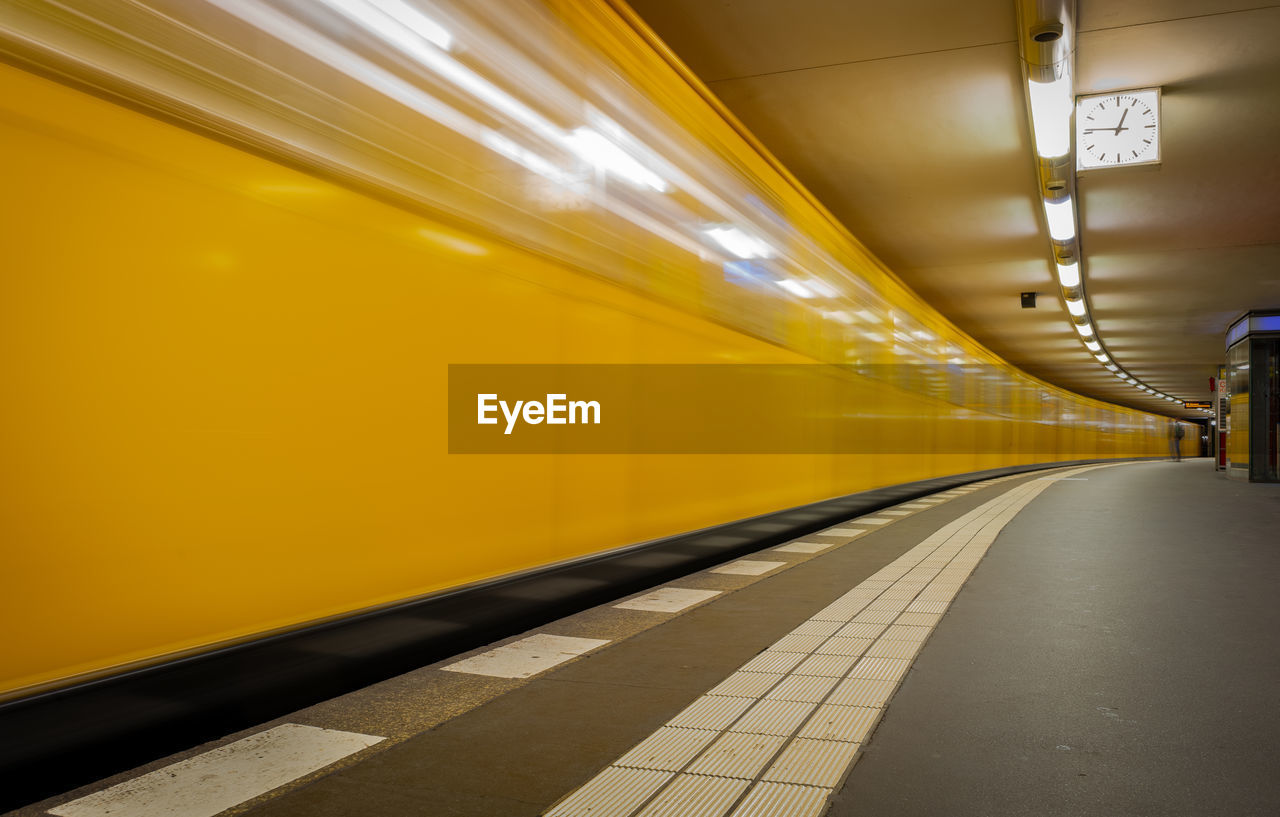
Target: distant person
1175, 442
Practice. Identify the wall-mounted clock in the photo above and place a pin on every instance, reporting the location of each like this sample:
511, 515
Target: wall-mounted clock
1118, 129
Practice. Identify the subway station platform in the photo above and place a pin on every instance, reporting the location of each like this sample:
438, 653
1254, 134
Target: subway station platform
1094, 640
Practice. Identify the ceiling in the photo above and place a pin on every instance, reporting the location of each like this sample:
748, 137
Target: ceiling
908, 121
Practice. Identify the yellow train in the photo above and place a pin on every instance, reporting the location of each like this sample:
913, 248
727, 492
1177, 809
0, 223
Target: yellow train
244, 241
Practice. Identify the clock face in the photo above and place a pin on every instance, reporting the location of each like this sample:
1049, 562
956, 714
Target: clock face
1122, 128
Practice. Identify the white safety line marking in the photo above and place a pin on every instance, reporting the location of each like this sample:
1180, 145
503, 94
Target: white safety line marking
896, 513
526, 657
668, 600
222, 778
819, 705
747, 567
840, 531
804, 547
873, 520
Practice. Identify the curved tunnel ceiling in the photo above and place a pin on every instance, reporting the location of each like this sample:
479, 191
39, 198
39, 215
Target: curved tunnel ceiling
907, 120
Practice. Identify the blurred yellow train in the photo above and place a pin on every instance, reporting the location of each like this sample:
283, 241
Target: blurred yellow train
244, 240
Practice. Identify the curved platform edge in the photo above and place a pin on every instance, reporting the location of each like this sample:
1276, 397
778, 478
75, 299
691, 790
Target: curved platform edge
57, 740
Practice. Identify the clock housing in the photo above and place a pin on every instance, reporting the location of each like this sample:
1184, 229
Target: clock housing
1118, 129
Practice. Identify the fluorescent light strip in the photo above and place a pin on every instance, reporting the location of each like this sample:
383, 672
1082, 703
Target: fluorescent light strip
1069, 275
1062, 219
1076, 307
1051, 105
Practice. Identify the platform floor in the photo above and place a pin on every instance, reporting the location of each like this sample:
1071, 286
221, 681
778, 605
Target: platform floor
1097, 640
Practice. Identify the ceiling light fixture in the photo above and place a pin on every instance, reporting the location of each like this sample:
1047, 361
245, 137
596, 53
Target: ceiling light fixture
1051, 104
1062, 219
1046, 43
1069, 275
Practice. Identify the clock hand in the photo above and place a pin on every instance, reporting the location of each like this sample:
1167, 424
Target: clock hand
1120, 125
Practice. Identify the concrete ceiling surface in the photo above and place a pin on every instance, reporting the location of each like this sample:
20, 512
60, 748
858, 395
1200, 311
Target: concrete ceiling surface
908, 121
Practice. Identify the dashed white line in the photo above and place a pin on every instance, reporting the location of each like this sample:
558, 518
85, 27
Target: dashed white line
668, 600
526, 657
221, 778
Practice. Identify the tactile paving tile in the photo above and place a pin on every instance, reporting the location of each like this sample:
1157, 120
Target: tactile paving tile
738, 754
612, 793
841, 531
846, 723
834, 666
862, 692
880, 669
875, 616
903, 632
839, 611
812, 763
747, 567
903, 590
894, 649
817, 628
861, 629
944, 596
928, 606
919, 619
711, 712
773, 718
921, 574
892, 605
874, 520
783, 800
691, 794
867, 591
797, 643
669, 749
844, 646
804, 547
746, 684
809, 688
769, 661
895, 513
888, 574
